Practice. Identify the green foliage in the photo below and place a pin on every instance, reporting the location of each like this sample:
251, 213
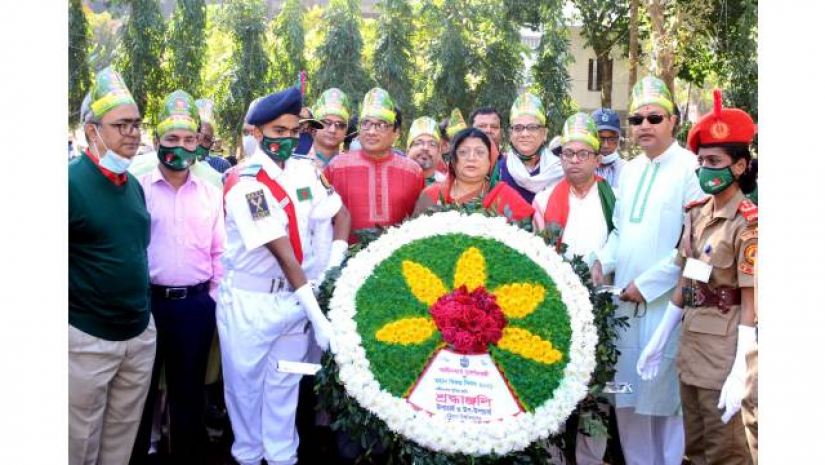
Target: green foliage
249, 66
550, 77
187, 46
105, 37
339, 59
80, 78
215, 74
604, 26
288, 32
142, 47
392, 61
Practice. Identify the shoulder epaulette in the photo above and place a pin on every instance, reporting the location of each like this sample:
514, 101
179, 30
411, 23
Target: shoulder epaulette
749, 210
697, 202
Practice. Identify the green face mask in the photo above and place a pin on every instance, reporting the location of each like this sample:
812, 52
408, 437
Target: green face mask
279, 148
201, 152
715, 180
176, 158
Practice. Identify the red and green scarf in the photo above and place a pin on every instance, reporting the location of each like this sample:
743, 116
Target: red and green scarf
558, 205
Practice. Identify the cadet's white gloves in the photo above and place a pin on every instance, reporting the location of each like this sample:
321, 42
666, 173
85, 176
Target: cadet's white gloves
651, 357
320, 325
730, 398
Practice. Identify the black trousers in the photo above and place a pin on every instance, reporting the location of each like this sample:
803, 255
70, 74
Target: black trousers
185, 330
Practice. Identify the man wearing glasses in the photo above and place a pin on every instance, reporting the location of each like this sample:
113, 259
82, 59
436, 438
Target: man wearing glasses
648, 220
607, 123
423, 146
529, 167
332, 110
378, 187
111, 331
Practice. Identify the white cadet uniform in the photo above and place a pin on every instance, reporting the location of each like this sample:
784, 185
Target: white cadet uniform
259, 320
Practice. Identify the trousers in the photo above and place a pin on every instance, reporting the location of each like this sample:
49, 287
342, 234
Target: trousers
650, 440
256, 331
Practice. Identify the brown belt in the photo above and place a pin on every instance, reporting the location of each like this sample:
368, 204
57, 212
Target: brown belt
702, 295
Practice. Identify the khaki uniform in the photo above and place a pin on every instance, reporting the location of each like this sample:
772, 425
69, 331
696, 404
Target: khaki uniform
750, 402
727, 241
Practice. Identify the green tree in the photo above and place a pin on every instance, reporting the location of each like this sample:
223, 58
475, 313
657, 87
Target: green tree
79, 75
392, 63
142, 47
249, 65
288, 31
340, 57
106, 36
604, 25
187, 46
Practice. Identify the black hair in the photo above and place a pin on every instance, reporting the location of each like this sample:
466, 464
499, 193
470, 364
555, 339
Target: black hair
460, 136
486, 110
738, 151
398, 118
352, 132
442, 128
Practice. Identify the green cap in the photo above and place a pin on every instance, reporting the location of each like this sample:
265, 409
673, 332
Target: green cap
650, 90
332, 102
108, 92
206, 108
528, 104
580, 127
423, 126
456, 123
179, 112
378, 105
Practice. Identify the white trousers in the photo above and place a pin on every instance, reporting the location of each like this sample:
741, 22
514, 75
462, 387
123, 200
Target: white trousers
256, 331
650, 440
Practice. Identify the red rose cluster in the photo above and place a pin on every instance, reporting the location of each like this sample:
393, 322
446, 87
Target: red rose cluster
469, 321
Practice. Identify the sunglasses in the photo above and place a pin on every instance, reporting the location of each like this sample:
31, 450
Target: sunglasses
636, 120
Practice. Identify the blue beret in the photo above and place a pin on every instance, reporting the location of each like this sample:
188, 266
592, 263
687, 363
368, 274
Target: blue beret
285, 102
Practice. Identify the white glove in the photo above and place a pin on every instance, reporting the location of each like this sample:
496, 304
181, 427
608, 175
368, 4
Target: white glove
730, 398
651, 357
321, 326
337, 253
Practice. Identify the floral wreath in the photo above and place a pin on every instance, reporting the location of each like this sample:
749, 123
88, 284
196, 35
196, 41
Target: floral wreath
512, 297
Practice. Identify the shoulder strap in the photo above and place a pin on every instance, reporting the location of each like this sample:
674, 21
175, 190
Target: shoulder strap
701, 201
749, 210
286, 203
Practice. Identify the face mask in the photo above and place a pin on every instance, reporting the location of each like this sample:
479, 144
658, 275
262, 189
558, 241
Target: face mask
278, 148
112, 161
715, 180
249, 144
201, 152
608, 159
176, 158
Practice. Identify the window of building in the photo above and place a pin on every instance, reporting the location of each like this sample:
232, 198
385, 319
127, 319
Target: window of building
595, 73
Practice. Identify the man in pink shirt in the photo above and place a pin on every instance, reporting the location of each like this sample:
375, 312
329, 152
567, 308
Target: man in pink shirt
187, 241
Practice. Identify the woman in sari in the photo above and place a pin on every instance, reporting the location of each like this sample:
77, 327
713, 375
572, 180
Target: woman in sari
472, 159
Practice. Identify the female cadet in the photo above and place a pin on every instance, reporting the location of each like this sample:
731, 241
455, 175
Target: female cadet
717, 255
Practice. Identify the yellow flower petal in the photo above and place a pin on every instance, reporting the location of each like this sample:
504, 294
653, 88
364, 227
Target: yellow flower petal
526, 344
424, 284
520, 299
406, 331
470, 270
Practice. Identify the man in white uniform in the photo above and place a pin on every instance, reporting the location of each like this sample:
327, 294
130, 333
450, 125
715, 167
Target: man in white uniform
582, 205
265, 300
648, 217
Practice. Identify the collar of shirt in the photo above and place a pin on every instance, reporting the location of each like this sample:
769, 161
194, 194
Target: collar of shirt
157, 176
376, 161
260, 158
668, 154
728, 211
117, 179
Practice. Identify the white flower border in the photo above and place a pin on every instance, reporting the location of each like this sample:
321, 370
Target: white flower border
498, 437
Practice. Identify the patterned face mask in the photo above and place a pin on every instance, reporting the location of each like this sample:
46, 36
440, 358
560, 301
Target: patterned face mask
176, 158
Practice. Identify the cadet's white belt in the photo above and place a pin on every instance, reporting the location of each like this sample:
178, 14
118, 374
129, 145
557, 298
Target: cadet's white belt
249, 282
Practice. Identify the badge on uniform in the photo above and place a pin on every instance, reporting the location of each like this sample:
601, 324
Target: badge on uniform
326, 183
750, 259
257, 204
697, 270
304, 193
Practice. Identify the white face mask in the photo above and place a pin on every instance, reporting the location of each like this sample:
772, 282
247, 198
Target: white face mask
608, 159
249, 144
112, 161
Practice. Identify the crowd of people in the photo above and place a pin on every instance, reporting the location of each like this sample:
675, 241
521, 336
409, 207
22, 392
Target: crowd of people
186, 269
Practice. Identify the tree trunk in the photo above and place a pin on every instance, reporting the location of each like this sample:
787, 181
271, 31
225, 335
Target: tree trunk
662, 50
634, 44
605, 67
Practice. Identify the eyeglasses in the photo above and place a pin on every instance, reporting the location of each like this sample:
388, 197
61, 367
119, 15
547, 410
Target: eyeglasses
336, 125
126, 129
381, 126
611, 139
636, 120
581, 155
467, 154
531, 128
425, 143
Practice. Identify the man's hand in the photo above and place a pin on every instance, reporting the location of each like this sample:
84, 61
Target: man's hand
596, 274
631, 294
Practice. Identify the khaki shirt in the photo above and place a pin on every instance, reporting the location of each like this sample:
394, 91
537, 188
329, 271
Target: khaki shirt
727, 241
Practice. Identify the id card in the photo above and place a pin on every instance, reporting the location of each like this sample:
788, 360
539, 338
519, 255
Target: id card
300, 368
617, 388
697, 270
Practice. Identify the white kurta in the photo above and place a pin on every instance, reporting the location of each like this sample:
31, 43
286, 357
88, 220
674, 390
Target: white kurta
648, 219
